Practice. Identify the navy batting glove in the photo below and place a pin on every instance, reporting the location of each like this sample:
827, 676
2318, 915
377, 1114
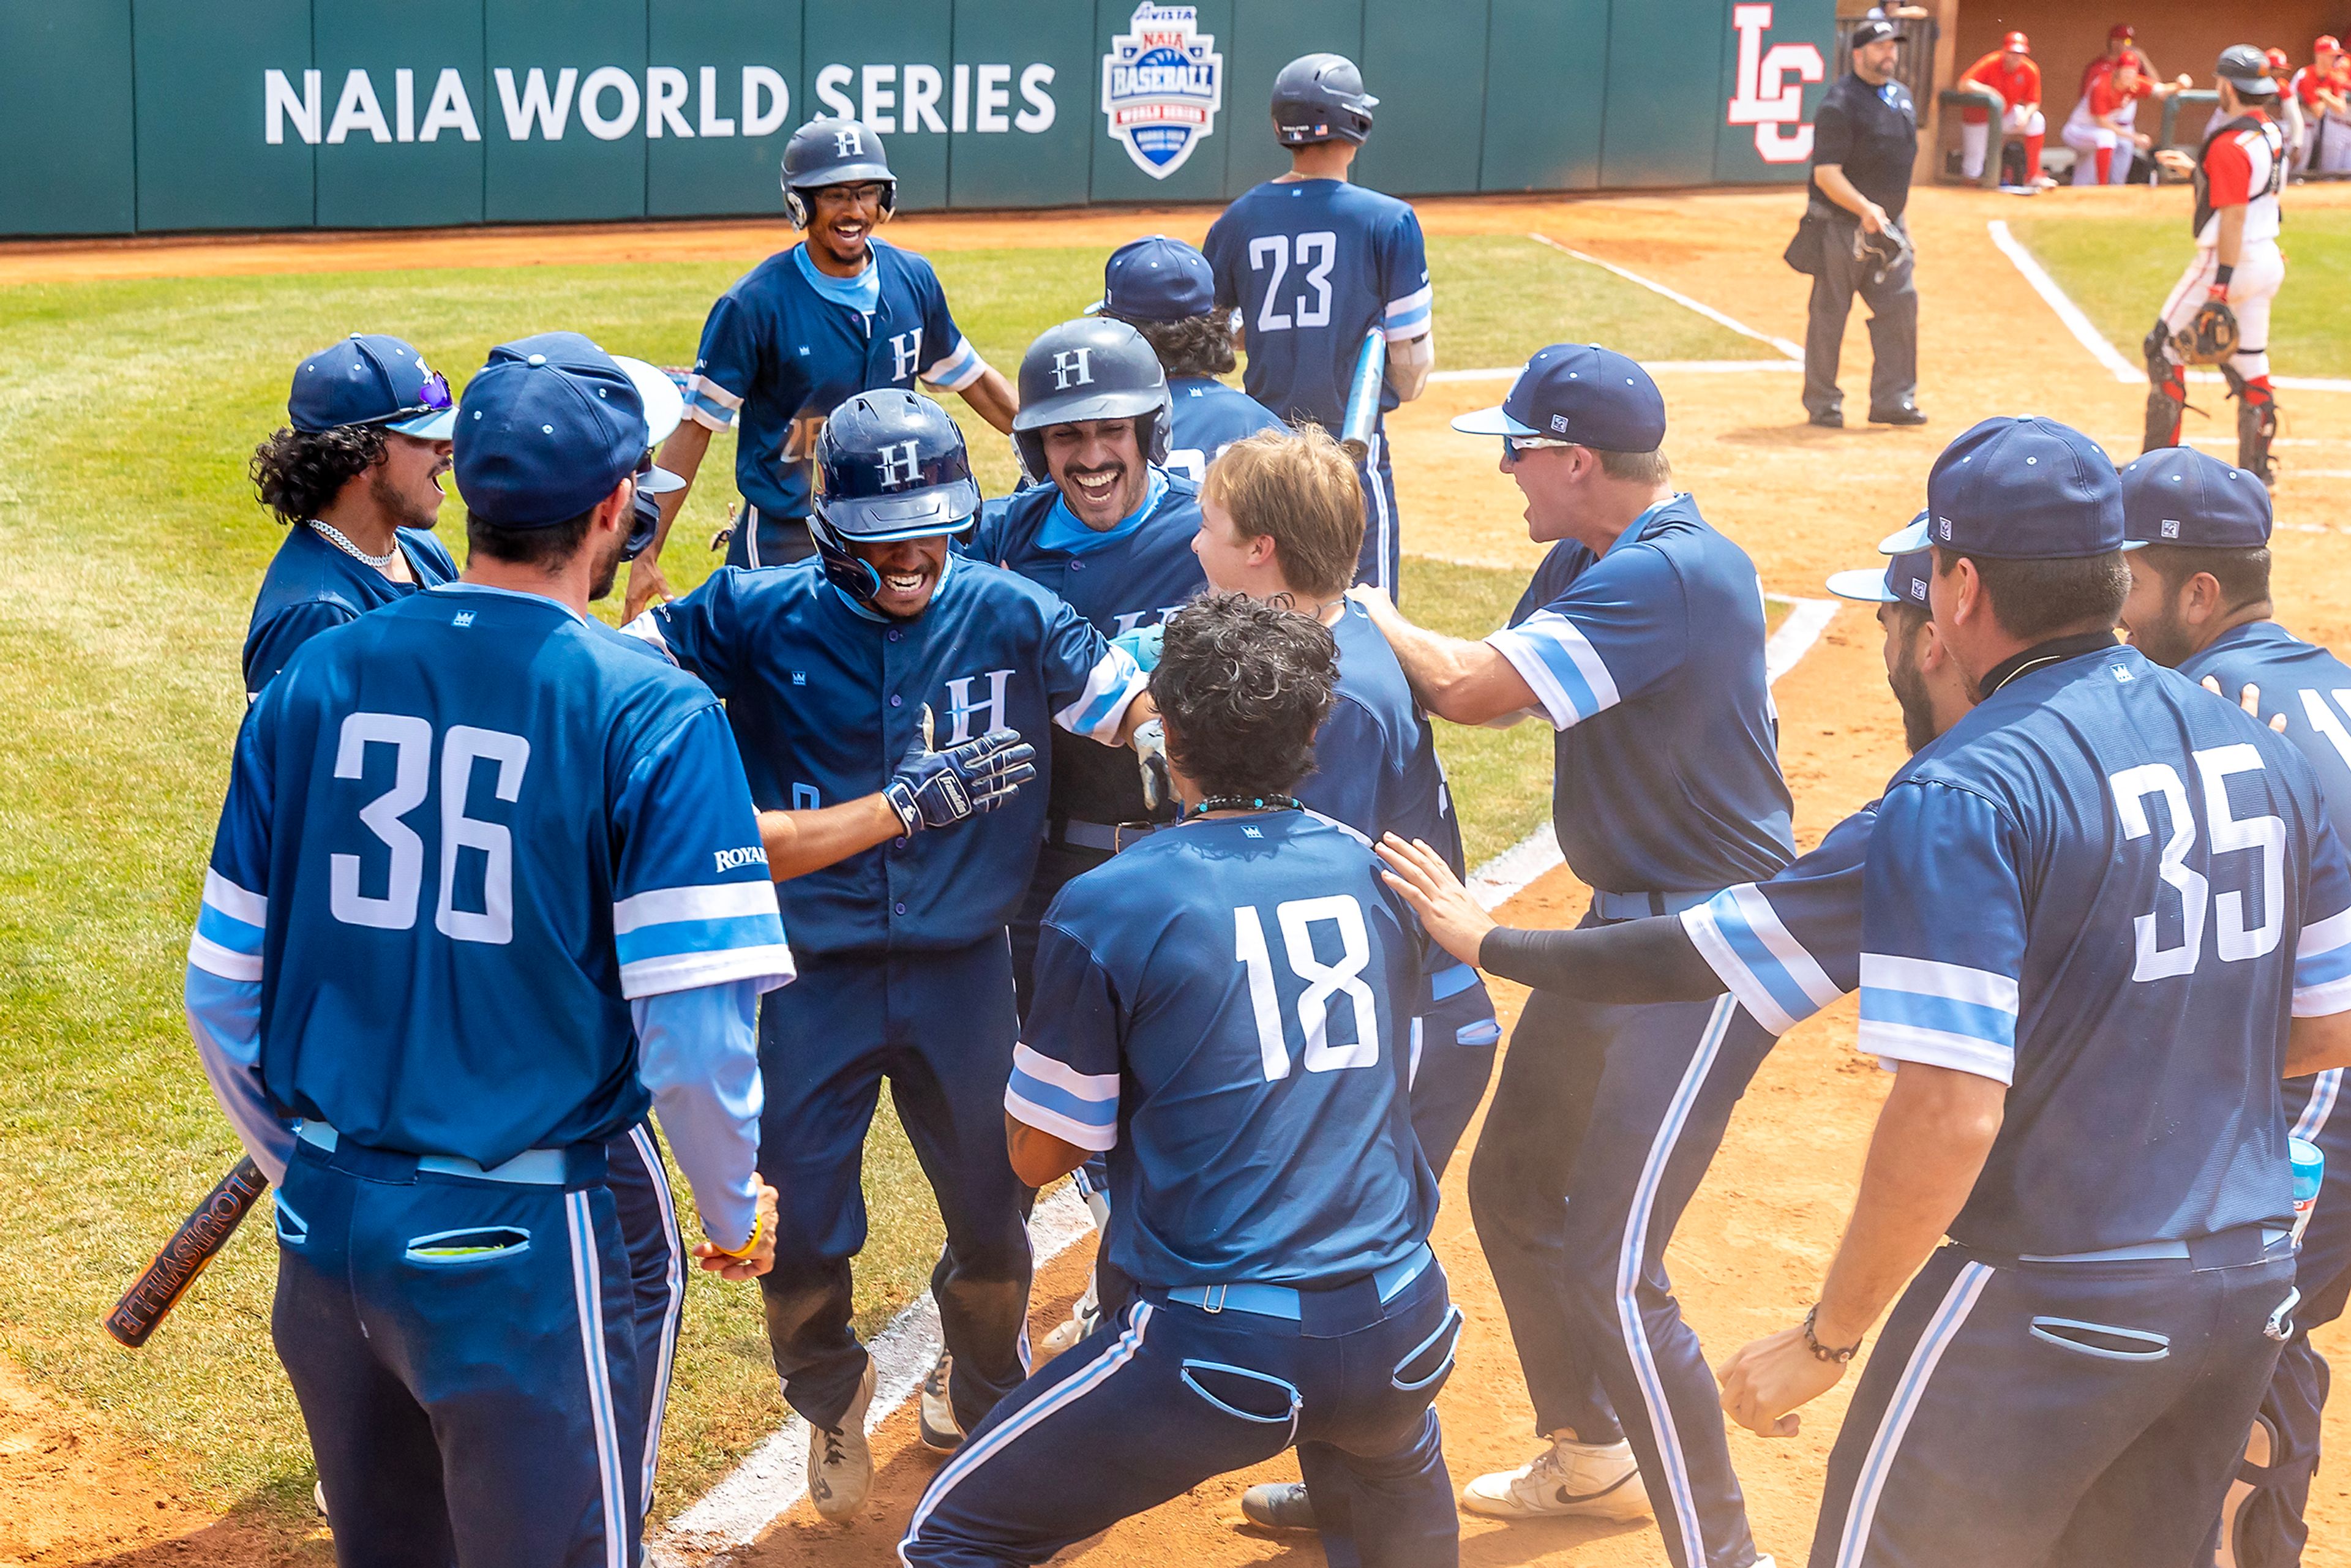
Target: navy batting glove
939, 788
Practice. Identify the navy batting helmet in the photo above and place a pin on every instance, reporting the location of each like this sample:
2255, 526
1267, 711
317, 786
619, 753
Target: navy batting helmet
2247, 69
890, 465
1321, 97
834, 152
1095, 367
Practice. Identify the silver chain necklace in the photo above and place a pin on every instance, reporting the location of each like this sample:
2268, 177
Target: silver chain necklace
334, 536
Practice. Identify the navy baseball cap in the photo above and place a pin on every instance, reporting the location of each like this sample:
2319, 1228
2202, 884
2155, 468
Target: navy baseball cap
1904, 580
546, 430
1155, 279
371, 379
2179, 496
1579, 394
2022, 488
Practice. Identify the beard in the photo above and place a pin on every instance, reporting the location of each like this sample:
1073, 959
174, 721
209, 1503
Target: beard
1910, 685
405, 511
608, 570
2164, 640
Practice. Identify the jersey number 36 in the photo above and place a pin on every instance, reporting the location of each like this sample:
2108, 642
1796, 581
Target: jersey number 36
1325, 981
411, 739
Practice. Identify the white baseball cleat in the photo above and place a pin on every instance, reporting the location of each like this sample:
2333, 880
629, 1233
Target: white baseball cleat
940, 1431
1568, 1480
1085, 1316
840, 1463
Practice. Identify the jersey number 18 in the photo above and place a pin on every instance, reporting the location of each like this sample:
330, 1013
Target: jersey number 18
1297, 920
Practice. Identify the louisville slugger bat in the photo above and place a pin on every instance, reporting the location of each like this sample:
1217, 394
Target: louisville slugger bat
1364, 395
203, 1234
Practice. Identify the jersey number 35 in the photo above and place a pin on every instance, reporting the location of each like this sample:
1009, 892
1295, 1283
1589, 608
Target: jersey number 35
1325, 981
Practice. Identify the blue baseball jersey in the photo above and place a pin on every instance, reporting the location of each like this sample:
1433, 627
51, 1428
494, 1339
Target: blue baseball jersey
826, 698
463, 834
1788, 946
1313, 266
785, 346
1208, 417
2312, 688
1377, 770
1225, 1008
2107, 891
1648, 660
311, 585
1132, 576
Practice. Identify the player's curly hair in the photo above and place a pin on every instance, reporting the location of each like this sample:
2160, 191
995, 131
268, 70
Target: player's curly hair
1193, 346
297, 472
1242, 686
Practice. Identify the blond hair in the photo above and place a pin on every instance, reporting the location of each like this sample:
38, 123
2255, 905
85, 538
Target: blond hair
1300, 489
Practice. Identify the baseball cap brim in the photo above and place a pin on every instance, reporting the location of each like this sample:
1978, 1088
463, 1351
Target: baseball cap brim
660, 482
664, 404
439, 425
1863, 584
1492, 421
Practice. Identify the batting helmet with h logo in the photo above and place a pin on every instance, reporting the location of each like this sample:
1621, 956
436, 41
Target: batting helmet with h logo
1091, 368
834, 152
890, 465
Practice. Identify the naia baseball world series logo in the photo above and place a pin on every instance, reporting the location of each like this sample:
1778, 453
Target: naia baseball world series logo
1162, 86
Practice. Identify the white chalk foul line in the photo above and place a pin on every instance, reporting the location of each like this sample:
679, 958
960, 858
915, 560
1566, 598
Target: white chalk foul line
1508, 874
774, 1476
1789, 349
2086, 331
1654, 367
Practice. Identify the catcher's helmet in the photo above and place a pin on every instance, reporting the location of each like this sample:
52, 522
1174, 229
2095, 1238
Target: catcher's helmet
2246, 69
834, 152
890, 465
1321, 97
1095, 367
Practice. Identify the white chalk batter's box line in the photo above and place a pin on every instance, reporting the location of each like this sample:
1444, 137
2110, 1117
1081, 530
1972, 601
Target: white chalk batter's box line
2087, 333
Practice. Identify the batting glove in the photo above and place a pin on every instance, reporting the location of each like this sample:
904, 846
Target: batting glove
938, 788
1150, 742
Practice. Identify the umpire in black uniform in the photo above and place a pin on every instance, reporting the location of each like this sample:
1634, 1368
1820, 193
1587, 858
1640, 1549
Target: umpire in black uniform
1852, 241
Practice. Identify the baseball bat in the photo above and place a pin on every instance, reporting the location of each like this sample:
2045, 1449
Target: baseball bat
203, 1234
1364, 395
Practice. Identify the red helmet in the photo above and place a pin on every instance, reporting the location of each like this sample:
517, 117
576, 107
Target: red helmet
2017, 44
2122, 30
2278, 61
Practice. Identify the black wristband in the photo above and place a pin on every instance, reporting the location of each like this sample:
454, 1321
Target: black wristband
1822, 1352
2221, 273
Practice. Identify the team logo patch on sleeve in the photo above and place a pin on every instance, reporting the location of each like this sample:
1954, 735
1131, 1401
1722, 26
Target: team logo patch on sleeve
1162, 86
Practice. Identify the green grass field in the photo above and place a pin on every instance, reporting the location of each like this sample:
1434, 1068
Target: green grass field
133, 545
2119, 271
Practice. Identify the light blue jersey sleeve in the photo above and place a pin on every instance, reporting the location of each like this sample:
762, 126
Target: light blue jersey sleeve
2322, 954
698, 1056
1619, 629
226, 962
1788, 946
1088, 681
1065, 1071
1937, 986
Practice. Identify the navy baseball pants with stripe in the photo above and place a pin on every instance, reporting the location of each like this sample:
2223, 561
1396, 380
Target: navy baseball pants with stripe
465, 1356
940, 1027
1381, 561
1148, 1407
657, 1263
1600, 1130
2271, 1529
2053, 1413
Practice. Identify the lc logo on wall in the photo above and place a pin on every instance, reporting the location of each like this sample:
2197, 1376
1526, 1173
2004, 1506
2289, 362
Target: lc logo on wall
1763, 94
1162, 86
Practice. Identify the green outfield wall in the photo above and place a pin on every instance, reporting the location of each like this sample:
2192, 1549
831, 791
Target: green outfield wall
157, 116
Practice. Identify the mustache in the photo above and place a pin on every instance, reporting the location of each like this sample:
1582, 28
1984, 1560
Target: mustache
1080, 471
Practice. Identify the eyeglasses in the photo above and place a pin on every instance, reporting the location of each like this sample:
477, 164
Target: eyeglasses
1514, 445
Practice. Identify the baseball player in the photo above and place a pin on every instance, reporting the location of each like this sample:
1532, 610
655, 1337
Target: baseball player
2221, 303
839, 313
1641, 640
2291, 125
2319, 99
833, 671
1313, 264
1108, 528
355, 476
2087, 1099
2199, 603
1165, 291
2122, 38
486, 885
2104, 126
2010, 71
1224, 1009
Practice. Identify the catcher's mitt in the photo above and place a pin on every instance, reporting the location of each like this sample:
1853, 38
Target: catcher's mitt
1882, 251
2210, 337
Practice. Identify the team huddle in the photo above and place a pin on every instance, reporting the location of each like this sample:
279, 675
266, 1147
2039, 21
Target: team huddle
1105, 821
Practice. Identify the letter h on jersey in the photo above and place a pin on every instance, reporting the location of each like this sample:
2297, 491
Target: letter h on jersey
962, 710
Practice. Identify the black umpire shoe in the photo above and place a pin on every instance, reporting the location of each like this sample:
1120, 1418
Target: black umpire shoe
1829, 418
1908, 414
1279, 1505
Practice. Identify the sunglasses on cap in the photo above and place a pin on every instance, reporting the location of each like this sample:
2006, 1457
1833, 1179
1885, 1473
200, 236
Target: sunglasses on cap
433, 397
